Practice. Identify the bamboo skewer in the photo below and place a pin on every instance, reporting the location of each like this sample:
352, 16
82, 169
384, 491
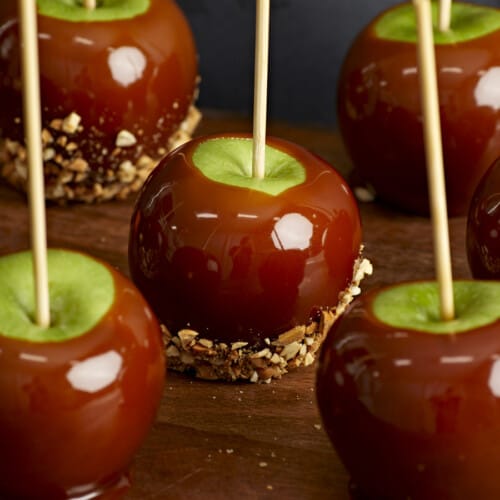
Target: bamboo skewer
260, 88
33, 127
444, 15
434, 157
90, 4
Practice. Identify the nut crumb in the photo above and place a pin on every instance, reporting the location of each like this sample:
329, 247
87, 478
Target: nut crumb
71, 122
238, 345
125, 139
365, 194
187, 337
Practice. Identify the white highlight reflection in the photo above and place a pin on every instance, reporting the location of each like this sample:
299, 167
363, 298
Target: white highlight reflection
206, 215
451, 69
409, 71
402, 362
493, 204
452, 360
36, 358
247, 216
96, 373
82, 40
127, 65
292, 232
494, 380
487, 91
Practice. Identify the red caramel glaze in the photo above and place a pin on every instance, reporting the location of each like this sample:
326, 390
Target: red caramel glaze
155, 70
214, 258
60, 440
483, 227
379, 113
411, 414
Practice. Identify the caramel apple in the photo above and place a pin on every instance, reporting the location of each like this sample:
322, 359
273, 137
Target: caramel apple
412, 403
379, 108
245, 274
117, 85
483, 226
77, 398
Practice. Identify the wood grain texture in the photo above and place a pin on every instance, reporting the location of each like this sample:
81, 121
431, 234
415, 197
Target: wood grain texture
218, 440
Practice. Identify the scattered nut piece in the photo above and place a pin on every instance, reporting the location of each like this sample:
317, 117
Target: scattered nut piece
206, 343
56, 124
48, 154
276, 358
71, 122
46, 137
187, 337
62, 140
78, 165
309, 359
294, 335
365, 194
172, 351
290, 350
125, 139
126, 172
261, 354
238, 345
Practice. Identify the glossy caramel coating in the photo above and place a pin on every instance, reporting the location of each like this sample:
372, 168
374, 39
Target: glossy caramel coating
412, 414
236, 264
380, 117
73, 413
483, 227
137, 75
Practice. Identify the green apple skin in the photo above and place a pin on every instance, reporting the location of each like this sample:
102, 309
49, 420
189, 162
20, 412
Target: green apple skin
380, 113
414, 414
74, 412
106, 10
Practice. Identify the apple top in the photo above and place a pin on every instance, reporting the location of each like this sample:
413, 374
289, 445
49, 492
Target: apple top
467, 23
107, 10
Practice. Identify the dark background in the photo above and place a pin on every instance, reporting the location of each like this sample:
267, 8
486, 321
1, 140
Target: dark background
308, 41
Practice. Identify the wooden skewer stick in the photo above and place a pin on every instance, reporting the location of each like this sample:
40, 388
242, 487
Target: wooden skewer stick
444, 15
33, 127
260, 89
434, 157
90, 4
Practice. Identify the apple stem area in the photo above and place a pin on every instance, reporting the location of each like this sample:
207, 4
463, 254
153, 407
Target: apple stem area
444, 15
260, 88
434, 157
